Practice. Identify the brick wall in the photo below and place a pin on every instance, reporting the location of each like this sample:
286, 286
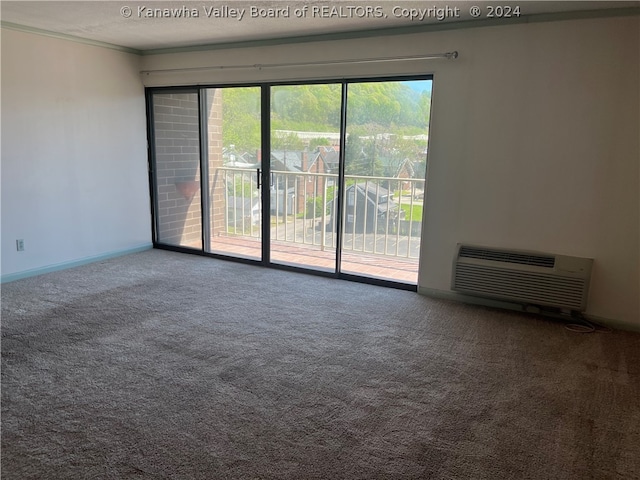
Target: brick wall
217, 187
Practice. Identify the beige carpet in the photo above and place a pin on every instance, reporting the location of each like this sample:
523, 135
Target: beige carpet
168, 366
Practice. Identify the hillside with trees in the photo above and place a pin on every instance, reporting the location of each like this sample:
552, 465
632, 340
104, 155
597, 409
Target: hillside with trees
380, 117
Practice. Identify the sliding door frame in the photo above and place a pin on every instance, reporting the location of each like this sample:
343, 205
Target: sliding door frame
341, 170
205, 218
265, 164
152, 163
265, 173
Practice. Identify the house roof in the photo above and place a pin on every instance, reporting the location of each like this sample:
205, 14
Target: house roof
288, 159
373, 189
232, 158
326, 154
407, 166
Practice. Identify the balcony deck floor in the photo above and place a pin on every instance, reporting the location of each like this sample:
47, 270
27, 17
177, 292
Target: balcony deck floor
385, 267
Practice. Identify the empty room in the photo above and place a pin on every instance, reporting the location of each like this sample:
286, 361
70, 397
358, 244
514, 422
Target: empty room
320, 240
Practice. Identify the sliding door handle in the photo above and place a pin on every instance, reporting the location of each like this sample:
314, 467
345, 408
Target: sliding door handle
258, 172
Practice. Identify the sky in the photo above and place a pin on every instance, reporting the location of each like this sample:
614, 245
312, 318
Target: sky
420, 85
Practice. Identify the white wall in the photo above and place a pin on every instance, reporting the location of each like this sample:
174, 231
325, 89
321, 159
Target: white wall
74, 164
534, 139
536, 147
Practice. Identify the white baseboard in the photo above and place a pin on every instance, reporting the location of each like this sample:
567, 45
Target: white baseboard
487, 302
11, 277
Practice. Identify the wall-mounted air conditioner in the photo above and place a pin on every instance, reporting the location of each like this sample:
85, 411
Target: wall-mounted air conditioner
519, 276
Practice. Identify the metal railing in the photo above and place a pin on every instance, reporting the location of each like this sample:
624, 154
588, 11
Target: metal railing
382, 215
242, 203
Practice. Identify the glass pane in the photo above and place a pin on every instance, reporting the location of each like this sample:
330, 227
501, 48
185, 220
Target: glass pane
177, 169
385, 166
234, 157
305, 146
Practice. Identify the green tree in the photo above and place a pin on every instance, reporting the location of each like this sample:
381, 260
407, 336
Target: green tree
318, 142
241, 118
240, 186
362, 153
286, 141
306, 107
425, 108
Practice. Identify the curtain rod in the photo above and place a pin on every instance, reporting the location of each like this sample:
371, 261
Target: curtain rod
260, 66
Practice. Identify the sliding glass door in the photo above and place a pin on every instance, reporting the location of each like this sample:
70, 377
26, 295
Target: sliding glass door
177, 173
384, 178
304, 167
233, 163
324, 176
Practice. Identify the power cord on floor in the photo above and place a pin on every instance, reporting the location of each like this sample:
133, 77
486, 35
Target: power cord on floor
582, 325
574, 321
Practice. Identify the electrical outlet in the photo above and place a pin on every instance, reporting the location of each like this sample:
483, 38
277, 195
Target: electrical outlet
20, 245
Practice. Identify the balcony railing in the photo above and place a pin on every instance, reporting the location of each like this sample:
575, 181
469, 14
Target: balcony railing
382, 215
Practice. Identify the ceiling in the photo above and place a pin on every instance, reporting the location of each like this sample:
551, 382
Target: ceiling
127, 24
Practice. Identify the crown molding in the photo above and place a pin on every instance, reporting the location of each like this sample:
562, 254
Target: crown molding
64, 36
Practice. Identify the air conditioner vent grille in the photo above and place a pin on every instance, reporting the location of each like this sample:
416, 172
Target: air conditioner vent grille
520, 276
507, 257
518, 286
